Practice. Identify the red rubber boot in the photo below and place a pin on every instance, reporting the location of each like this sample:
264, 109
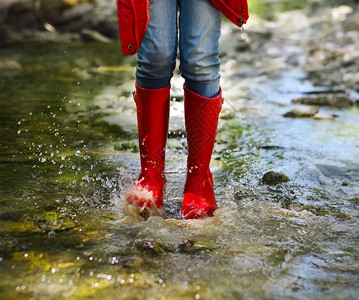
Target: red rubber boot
201, 116
152, 117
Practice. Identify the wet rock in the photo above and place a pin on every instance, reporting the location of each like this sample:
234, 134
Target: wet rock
49, 222
127, 145
57, 15
10, 68
306, 111
271, 147
151, 247
326, 90
353, 200
88, 35
9, 65
227, 115
192, 246
339, 100
177, 133
351, 22
19, 14
324, 117
274, 178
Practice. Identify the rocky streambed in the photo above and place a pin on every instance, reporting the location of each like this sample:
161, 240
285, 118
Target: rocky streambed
285, 165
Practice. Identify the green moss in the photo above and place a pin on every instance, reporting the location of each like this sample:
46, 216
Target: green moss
127, 145
35, 260
49, 221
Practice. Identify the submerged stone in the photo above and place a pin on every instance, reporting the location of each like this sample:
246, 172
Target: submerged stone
49, 221
192, 246
151, 247
274, 178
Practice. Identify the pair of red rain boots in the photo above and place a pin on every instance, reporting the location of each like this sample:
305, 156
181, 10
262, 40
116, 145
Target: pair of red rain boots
201, 117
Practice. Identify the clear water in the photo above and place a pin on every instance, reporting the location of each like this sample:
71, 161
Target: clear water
68, 151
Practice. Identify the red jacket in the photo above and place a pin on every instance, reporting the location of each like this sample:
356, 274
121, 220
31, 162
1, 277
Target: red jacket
133, 16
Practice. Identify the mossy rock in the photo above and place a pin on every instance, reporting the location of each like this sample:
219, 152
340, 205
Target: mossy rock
274, 178
192, 246
151, 247
125, 146
49, 221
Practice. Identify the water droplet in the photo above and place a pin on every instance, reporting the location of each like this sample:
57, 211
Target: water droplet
63, 158
78, 153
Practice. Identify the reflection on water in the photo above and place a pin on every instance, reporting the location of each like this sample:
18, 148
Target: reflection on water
68, 152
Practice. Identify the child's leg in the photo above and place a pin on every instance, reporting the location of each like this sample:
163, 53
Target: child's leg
199, 33
200, 29
155, 64
156, 57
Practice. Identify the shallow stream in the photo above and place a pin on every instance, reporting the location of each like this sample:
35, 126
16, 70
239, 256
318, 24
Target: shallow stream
68, 150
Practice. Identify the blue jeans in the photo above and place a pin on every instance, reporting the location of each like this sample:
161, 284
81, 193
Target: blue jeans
199, 30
